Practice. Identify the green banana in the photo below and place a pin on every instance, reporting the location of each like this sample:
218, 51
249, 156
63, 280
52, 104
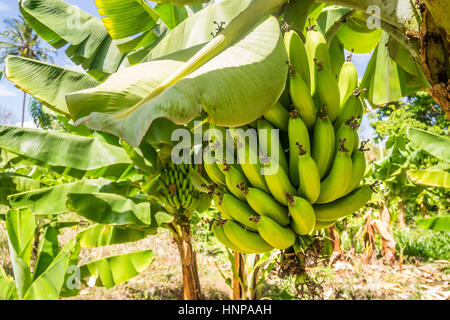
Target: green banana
212, 170
358, 167
302, 99
218, 198
265, 205
337, 181
316, 50
250, 242
249, 159
323, 143
302, 214
219, 233
348, 80
327, 92
352, 107
279, 184
344, 206
298, 134
265, 144
277, 236
278, 116
323, 224
233, 179
237, 210
346, 132
309, 176
298, 60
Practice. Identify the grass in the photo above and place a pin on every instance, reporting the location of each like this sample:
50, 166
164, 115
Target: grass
422, 243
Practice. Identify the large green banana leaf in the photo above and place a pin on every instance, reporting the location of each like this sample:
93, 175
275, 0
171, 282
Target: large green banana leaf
100, 235
112, 209
433, 177
52, 200
114, 270
436, 145
20, 228
48, 285
435, 223
66, 153
47, 82
89, 42
255, 62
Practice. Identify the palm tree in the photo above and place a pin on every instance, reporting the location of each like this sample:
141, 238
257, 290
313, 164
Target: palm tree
19, 39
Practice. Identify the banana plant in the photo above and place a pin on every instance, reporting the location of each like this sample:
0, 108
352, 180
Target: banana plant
434, 176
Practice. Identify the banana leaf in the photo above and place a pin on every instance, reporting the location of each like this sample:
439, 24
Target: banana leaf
11, 183
114, 270
66, 153
201, 25
436, 145
432, 177
8, 289
385, 80
435, 223
59, 23
52, 200
171, 15
112, 209
48, 285
36, 77
100, 235
47, 251
256, 62
20, 228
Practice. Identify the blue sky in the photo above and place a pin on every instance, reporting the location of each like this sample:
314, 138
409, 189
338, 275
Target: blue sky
11, 97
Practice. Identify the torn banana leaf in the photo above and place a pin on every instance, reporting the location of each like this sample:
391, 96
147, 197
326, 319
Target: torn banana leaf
67, 154
59, 23
52, 200
36, 77
112, 209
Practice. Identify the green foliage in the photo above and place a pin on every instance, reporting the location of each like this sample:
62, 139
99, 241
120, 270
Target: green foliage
418, 111
426, 244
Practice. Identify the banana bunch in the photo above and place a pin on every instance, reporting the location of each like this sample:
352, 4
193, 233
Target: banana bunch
177, 191
317, 152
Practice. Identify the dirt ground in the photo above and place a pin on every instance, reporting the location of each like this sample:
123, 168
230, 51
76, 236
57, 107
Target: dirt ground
347, 278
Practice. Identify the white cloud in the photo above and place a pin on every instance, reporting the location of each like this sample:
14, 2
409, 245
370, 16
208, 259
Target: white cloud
3, 7
7, 92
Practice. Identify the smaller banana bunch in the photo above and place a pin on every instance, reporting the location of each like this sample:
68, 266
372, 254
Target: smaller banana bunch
319, 158
177, 191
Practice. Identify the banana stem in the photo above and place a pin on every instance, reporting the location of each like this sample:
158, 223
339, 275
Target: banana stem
242, 24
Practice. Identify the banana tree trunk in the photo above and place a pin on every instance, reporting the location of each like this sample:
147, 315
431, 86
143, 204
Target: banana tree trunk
245, 286
239, 265
188, 258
